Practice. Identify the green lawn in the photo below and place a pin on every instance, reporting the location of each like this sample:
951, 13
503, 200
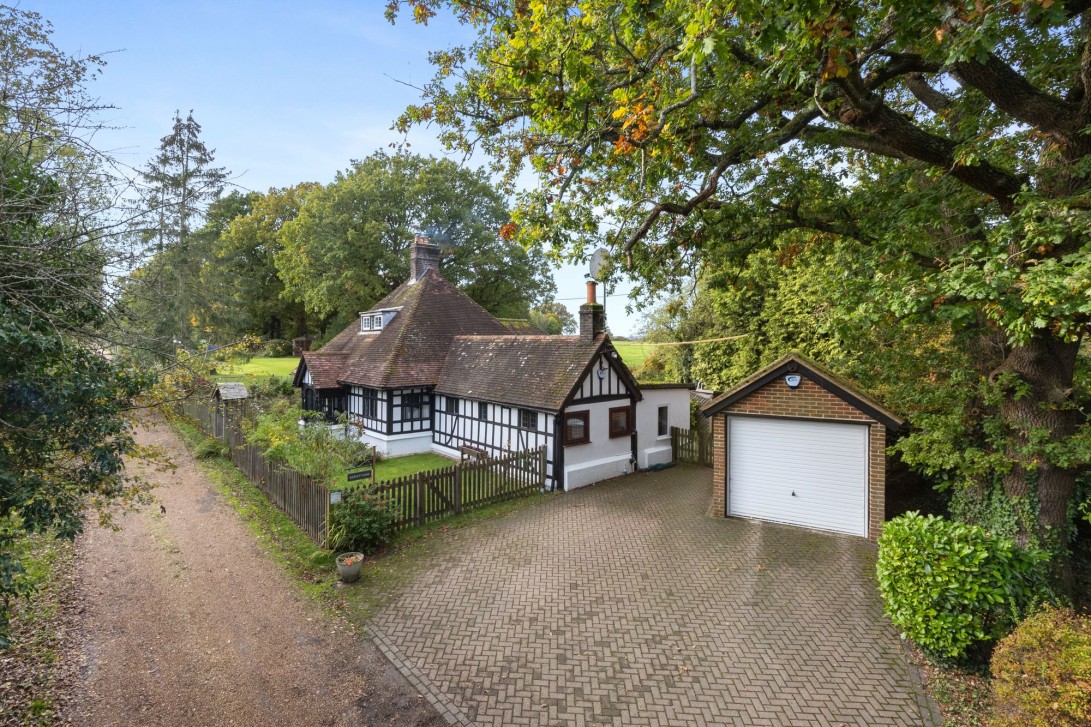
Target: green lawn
282, 366
633, 353
410, 464
395, 467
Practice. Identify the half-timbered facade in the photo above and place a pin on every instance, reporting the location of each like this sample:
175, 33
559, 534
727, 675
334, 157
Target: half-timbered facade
503, 393
427, 369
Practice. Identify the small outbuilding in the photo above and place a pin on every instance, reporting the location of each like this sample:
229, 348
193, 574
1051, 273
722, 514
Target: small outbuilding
230, 391
795, 444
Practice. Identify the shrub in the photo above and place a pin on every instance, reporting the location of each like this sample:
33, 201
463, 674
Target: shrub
276, 348
1041, 673
270, 387
209, 448
950, 586
317, 450
361, 521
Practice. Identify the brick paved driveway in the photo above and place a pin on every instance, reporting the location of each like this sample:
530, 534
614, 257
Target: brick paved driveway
622, 603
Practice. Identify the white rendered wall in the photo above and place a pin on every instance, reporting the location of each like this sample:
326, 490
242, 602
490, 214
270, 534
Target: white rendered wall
650, 447
396, 445
601, 458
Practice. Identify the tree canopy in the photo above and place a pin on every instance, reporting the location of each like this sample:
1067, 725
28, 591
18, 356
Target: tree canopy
64, 425
349, 244
178, 218
553, 318
946, 140
248, 294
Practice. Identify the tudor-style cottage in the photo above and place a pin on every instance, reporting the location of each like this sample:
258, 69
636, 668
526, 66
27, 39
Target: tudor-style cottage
427, 369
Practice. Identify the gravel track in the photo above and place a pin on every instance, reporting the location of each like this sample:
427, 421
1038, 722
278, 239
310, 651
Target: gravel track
187, 622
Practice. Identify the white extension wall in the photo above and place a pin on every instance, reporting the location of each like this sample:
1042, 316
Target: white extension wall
651, 446
602, 457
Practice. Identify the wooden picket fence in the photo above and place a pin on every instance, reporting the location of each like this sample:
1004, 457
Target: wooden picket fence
302, 499
415, 499
433, 494
691, 445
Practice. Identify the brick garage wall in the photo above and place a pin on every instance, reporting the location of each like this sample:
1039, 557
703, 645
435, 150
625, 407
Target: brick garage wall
809, 401
718, 506
877, 480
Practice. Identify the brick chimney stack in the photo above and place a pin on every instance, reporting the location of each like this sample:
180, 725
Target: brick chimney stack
592, 316
422, 255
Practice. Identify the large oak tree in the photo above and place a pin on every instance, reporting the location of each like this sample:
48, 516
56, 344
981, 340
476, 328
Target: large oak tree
348, 245
949, 138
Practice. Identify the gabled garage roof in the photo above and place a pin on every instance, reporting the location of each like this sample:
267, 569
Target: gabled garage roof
794, 363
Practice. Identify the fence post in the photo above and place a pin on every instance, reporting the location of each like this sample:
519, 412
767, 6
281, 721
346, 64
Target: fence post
324, 528
702, 450
541, 467
456, 495
420, 499
674, 444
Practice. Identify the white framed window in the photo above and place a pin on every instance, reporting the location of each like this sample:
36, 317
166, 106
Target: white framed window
365, 323
663, 428
376, 322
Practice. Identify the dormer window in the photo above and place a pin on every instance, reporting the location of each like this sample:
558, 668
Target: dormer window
371, 322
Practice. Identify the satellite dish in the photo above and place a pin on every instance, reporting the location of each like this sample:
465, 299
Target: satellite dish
598, 259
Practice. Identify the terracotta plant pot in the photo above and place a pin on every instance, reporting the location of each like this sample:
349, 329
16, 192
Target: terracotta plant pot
348, 566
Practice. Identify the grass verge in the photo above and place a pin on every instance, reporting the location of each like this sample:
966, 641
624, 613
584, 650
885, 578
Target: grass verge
279, 536
312, 568
33, 680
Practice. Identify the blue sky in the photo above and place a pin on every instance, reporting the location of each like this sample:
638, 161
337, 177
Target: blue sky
285, 92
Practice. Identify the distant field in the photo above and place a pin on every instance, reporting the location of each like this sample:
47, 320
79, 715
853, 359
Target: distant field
633, 353
283, 366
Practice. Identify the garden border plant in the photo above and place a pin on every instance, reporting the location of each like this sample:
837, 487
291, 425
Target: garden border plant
955, 589
1041, 672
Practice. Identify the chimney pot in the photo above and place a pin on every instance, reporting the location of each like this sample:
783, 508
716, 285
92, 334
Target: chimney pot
592, 316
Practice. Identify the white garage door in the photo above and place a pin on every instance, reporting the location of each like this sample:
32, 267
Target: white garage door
805, 473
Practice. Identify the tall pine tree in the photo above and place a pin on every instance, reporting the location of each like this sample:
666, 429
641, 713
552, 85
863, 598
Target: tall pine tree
164, 296
180, 182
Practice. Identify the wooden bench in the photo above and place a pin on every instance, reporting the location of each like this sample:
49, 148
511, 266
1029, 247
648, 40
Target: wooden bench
472, 453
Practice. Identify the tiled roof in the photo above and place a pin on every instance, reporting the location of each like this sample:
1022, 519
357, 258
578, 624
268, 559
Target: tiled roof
325, 368
533, 371
411, 348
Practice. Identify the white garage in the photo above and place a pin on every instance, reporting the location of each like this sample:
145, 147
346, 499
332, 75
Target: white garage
795, 444
808, 473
